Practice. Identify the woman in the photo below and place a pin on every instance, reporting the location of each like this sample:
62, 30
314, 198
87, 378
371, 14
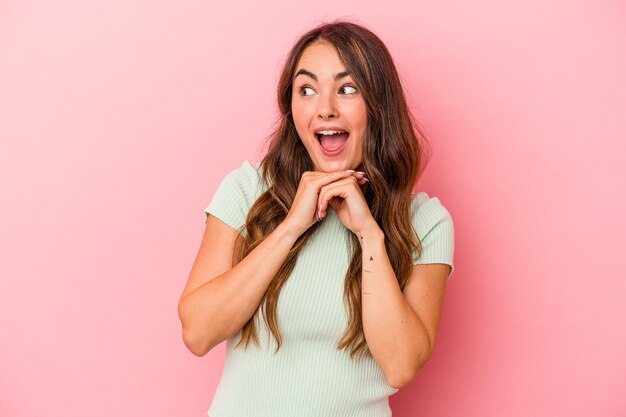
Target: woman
324, 238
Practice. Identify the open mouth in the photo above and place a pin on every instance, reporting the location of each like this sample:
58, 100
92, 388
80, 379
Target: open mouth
332, 141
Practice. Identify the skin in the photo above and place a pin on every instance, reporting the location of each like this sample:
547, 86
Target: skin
400, 326
328, 102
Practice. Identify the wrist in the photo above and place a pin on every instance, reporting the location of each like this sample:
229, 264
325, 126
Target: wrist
371, 232
286, 229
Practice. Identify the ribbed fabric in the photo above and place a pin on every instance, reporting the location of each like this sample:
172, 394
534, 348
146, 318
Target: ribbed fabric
308, 376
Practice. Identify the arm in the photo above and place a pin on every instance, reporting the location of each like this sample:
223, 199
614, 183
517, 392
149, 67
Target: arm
219, 299
400, 340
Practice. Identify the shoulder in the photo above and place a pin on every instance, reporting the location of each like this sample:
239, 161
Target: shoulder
427, 212
247, 174
433, 223
235, 194
246, 179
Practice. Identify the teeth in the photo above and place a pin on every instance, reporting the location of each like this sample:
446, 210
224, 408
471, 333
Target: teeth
330, 132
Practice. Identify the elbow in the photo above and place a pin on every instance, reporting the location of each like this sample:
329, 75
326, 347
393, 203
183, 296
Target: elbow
194, 344
407, 374
400, 382
192, 339
400, 377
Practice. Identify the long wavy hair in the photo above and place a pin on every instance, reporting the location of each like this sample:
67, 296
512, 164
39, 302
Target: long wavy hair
392, 159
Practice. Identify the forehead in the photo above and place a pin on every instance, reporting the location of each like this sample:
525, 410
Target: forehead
320, 57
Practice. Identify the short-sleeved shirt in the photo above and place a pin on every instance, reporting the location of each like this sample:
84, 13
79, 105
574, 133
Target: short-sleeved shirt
308, 376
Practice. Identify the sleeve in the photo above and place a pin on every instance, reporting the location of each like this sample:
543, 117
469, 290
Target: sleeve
436, 232
230, 202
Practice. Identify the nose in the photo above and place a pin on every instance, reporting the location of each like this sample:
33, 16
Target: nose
327, 107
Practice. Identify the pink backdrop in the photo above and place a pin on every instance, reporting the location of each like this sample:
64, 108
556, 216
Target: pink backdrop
118, 119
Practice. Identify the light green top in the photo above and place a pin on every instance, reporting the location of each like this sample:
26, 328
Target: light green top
308, 376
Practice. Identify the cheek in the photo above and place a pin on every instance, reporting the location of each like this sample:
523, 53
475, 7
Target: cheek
299, 113
361, 125
300, 123
363, 116
358, 116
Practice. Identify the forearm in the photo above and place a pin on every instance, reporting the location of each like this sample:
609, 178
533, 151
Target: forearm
395, 335
219, 308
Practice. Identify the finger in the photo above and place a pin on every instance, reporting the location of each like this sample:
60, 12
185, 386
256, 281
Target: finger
361, 177
330, 177
334, 200
357, 174
340, 189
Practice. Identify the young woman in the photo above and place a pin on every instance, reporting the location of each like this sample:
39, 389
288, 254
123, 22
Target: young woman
324, 239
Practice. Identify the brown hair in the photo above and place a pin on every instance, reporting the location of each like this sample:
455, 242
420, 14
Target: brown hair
392, 158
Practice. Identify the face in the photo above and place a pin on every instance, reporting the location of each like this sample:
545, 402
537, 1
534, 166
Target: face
325, 97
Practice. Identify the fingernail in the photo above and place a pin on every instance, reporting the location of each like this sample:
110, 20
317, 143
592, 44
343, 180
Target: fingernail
360, 172
350, 170
365, 179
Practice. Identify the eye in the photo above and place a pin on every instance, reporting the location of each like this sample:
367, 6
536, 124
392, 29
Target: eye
303, 88
349, 86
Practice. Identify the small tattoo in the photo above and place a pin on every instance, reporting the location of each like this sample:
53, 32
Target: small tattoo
371, 259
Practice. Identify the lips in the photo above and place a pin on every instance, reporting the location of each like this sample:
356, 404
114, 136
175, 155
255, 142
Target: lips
318, 135
319, 129
331, 144
332, 140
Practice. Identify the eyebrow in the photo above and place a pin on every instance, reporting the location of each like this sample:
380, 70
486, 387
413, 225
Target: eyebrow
310, 74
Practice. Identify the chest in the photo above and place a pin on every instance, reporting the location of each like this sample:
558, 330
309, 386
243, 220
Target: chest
310, 305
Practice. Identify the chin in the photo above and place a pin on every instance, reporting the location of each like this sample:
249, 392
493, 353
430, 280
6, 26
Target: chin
332, 166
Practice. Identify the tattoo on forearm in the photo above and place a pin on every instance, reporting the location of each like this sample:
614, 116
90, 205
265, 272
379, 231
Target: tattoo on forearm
371, 259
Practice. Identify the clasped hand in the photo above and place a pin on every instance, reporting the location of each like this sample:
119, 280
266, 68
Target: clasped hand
339, 189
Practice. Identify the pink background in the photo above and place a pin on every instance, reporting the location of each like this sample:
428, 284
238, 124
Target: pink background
118, 119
